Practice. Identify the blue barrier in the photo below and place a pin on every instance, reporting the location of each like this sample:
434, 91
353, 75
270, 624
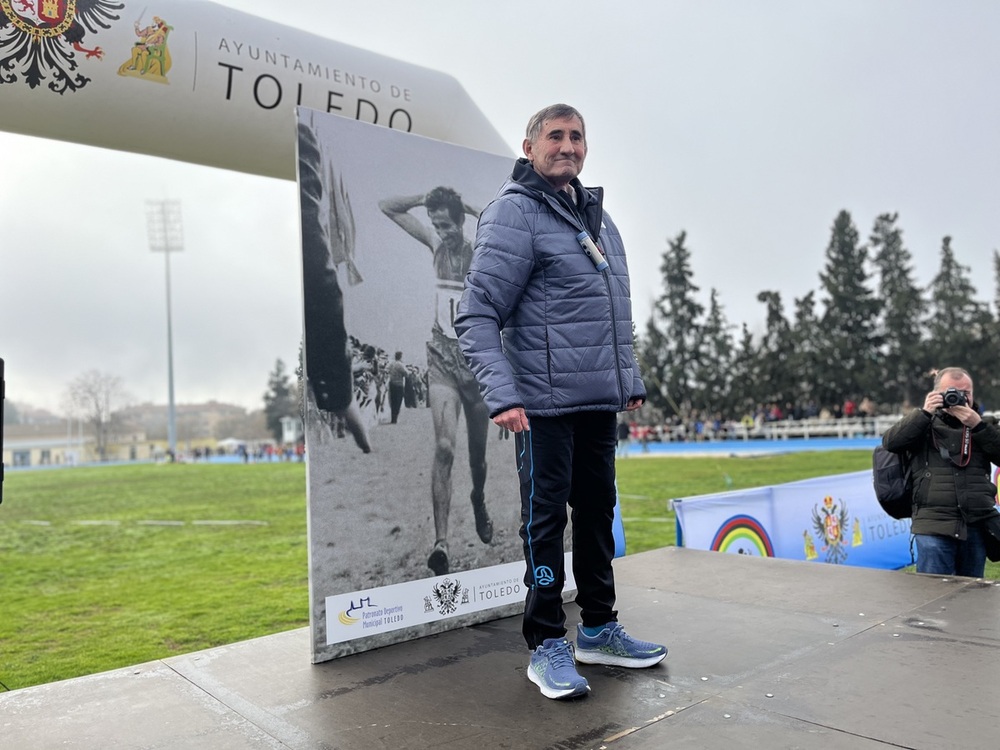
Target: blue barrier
833, 519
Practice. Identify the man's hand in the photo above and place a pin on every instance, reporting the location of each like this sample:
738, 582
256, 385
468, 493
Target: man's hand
514, 420
933, 401
634, 403
966, 415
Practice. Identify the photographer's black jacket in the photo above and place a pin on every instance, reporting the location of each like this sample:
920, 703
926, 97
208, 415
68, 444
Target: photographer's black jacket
947, 497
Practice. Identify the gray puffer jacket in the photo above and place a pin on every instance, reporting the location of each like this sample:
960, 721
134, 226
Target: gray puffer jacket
947, 497
566, 341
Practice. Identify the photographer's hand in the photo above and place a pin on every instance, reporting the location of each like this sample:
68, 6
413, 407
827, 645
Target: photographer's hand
965, 414
933, 401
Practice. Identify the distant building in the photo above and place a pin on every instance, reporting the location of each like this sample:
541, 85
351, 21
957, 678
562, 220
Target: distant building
62, 445
139, 434
194, 421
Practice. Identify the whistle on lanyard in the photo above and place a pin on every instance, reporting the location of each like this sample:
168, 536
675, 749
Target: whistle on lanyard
591, 249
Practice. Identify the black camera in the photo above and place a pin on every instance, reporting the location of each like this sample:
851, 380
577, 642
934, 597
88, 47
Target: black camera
954, 397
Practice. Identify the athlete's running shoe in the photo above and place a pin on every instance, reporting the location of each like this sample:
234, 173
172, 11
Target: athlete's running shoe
438, 560
484, 526
552, 668
615, 647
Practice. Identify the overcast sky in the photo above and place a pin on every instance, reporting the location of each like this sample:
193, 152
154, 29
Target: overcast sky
747, 125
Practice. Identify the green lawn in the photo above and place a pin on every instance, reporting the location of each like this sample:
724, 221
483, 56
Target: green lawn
111, 566
104, 567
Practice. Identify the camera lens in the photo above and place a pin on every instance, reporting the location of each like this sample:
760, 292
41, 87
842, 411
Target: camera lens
953, 397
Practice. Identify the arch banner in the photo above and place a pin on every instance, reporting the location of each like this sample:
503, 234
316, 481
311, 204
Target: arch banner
200, 82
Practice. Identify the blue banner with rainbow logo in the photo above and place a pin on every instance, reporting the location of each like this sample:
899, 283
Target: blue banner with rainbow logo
834, 520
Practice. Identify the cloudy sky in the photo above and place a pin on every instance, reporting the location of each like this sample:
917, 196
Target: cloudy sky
747, 125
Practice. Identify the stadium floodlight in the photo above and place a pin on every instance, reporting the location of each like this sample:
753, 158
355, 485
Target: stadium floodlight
166, 235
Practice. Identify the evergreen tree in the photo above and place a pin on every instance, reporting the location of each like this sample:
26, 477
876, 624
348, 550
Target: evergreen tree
280, 400
988, 382
774, 354
996, 284
905, 362
712, 377
960, 327
849, 354
863, 344
653, 354
672, 350
745, 381
803, 362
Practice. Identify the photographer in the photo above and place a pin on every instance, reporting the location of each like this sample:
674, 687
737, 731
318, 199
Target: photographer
955, 518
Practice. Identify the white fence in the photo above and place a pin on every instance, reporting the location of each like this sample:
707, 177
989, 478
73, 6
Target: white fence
845, 427
811, 427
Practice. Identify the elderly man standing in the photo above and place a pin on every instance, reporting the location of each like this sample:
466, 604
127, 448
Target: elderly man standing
545, 323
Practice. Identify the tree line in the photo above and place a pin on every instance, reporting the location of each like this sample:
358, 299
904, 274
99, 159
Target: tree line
872, 333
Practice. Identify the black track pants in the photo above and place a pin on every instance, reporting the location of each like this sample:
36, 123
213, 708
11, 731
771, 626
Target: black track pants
567, 460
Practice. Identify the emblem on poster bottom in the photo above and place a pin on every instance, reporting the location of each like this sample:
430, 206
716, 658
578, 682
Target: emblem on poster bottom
446, 595
353, 613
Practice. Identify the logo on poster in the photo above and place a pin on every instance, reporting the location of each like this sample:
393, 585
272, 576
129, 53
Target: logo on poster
743, 535
446, 596
46, 34
355, 612
830, 528
499, 590
370, 615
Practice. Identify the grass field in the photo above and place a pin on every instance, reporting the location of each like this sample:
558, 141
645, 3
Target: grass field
105, 567
110, 566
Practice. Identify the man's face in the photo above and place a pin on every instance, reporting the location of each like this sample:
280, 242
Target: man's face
959, 383
558, 152
445, 226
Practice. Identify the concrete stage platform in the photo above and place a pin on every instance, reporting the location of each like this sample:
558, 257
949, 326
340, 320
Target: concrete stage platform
764, 653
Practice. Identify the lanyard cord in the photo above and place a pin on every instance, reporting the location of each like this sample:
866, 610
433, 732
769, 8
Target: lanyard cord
966, 453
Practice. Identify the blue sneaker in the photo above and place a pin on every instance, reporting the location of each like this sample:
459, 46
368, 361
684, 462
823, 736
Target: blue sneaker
552, 668
615, 647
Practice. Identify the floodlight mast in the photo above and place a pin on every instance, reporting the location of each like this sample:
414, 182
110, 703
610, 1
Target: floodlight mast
166, 235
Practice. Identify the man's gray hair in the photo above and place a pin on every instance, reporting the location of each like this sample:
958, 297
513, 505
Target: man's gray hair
552, 112
951, 372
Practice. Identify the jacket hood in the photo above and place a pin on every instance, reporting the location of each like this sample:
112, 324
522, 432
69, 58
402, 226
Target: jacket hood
589, 210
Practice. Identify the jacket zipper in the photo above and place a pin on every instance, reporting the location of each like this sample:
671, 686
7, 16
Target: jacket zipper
606, 273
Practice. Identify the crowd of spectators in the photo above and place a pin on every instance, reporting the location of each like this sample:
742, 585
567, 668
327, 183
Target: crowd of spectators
699, 425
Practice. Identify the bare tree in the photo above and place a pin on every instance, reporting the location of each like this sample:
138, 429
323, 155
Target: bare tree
95, 397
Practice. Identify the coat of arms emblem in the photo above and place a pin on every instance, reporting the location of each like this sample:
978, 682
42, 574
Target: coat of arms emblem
830, 524
447, 595
39, 40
